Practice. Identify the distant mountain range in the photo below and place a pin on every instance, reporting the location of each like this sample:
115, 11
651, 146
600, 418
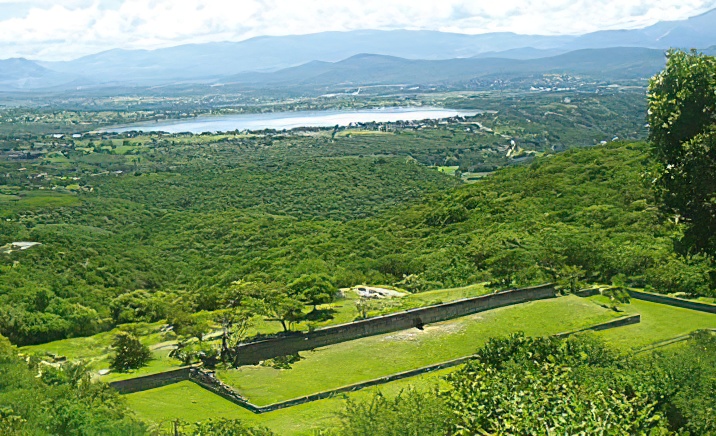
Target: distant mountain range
394, 56
368, 69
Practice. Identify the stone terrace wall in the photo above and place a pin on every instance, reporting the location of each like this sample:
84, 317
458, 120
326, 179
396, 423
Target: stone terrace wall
255, 352
209, 381
671, 301
619, 322
152, 381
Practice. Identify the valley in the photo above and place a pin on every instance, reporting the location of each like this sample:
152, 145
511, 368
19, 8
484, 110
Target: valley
357, 219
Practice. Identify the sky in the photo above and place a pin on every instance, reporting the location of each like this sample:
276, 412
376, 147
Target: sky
67, 29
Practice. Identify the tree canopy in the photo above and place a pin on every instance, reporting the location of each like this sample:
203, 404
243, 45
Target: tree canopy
682, 107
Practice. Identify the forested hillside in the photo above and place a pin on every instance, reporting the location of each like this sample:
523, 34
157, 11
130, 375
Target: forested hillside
193, 225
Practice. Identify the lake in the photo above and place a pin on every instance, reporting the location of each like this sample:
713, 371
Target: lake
291, 120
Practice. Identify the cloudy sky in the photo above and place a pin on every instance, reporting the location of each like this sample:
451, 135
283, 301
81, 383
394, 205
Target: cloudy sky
66, 29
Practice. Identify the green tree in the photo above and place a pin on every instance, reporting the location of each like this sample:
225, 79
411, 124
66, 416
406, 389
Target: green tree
222, 427
62, 401
129, 353
569, 277
682, 106
235, 324
278, 305
410, 413
314, 289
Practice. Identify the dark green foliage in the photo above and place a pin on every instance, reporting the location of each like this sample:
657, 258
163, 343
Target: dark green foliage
63, 401
138, 306
584, 210
546, 386
410, 413
278, 305
313, 289
129, 353
682, 382
224, 427
682, 107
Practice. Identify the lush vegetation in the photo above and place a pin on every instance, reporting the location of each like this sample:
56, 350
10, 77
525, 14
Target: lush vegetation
144, 239
41, 399
542, 386
682, 106
196, 242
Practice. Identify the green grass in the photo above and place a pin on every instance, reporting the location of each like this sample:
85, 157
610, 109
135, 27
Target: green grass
368, 358
450, 171
444, 295
659, 322
95, 350
339, 363
31, 200
189, 402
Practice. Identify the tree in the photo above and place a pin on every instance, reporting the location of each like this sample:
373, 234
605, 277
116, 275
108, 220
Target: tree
224, 427
129, 353
618, 293
682, 107
411, 412
63, 400
366, 305
314, 289
190, 325
137, 306
235, 323
277, 305
569, 277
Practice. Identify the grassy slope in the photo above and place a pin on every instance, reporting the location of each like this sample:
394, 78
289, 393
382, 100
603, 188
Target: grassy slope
658, 323
364, 359
189, 402
96, 349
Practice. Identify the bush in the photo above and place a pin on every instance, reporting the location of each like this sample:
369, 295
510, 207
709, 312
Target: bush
129, 353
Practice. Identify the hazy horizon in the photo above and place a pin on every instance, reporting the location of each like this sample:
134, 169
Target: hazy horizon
50, 31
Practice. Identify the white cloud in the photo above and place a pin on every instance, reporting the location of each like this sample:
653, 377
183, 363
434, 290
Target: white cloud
47, 29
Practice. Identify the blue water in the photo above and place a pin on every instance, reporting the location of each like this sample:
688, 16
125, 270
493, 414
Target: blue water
291, 120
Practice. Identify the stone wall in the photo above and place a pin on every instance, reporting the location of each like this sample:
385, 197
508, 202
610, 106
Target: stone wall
671, 301
151, 381
255, 352
657, 298
619, 322
209, 381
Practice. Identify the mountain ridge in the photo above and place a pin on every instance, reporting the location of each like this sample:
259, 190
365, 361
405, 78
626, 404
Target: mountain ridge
211, 62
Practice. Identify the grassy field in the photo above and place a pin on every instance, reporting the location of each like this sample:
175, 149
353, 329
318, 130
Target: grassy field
32, 200
189, 402
659, 322
364, 359
96, 349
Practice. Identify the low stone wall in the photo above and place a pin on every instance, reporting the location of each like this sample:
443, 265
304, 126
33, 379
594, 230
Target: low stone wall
255, 352
657, 298
151, 381
210, 382
671, 301
215, 385
359, 386
619, 322
584, 293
